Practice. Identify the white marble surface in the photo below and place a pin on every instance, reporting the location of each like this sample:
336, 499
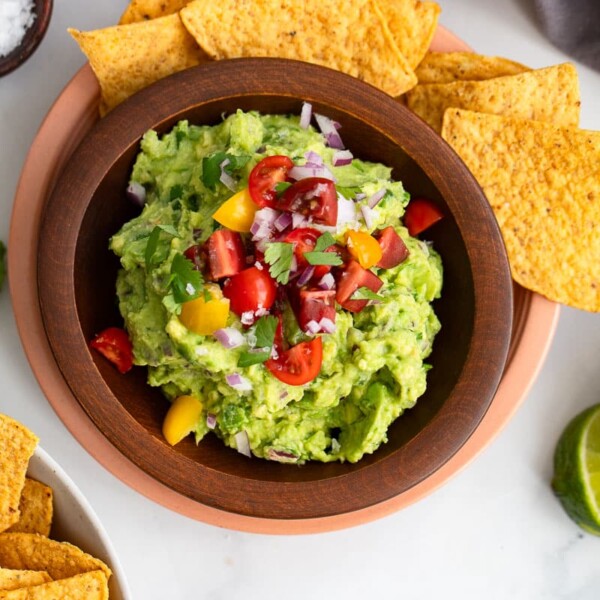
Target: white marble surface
495, 531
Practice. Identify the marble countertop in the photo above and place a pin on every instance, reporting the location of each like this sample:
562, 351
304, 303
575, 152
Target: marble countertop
494, 531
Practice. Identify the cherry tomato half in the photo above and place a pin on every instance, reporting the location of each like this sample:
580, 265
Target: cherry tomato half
226, 254
265, 176
250, 290
298, 365
393, 248
313, 197
114, 344
304, 240
349, 279
421, 214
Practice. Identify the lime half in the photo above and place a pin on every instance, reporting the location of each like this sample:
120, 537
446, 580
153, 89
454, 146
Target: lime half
576, 479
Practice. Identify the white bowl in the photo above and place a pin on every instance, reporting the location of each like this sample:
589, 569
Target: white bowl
75, 520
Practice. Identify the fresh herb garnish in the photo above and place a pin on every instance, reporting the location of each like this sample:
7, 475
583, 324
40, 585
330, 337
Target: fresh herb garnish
281, 187
185, 282
323, 258
175, 192
2, 265
151, 256
279, 255
323, 242
211, 167
264, 330
364, 293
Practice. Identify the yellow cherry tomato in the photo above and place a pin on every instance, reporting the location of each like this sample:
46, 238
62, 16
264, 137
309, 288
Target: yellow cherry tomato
237, 213
364, 248
181, 419
204, 316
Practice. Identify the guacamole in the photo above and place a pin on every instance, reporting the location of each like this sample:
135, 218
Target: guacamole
371, 359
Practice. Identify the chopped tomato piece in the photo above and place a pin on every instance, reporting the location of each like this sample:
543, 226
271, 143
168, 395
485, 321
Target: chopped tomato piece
265, 176
226, 254
313, 305
181, 419
349, 279
197, 254
313, 197
363, 248
238, 212
299, 364
304, 240
114, 344
393, 248
250, 290
421, 214
205, 316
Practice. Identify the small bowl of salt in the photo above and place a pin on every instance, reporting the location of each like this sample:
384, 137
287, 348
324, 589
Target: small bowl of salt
23, 24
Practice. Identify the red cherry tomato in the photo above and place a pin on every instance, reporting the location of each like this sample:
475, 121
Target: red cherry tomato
314, 305
114, 344
421, 214
197, 254
349, 279
313, 197
250, 290
226, 254
393, 249
304, 240
265, 176
299, 364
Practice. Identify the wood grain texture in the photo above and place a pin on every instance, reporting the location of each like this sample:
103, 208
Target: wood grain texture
76, 274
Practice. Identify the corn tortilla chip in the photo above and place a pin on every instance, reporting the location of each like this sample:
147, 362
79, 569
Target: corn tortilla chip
412, 25
87, 586
550, 95
352, 38
543, 183
446, 67
13, 579
144, 10
38, 553
128, 58
35, 507
17, 444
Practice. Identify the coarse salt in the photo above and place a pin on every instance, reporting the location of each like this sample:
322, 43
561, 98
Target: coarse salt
16, 17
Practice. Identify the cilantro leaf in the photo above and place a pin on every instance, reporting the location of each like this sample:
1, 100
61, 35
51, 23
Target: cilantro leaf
175, 192
151, 255
364, 293
323, 258
185, 282
264, 330
281, 187
2, 266
279, 255
253, 357
211, 167
323, 242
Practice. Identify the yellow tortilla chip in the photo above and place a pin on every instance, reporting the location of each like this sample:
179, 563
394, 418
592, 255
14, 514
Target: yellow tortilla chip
412, 25
350, 37
446, 67
128, 58
144, 10
550, 95
35, 507
13, 579
38, 553
17, 444
543, 183
87, 586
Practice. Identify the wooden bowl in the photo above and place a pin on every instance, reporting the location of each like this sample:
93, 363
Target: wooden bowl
76, 278
31, 40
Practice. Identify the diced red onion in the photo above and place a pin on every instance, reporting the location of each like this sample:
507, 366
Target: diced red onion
281, 456
229, 337
330, 131
305, 115
346, 211
359, 196
368, 215
283, 395
261, 245
313, 159
299, 220
243, 443
247, 317
136, 193
263, 223
294, 264
376, 198
341, 158
327, 325
305, 171
313, 327
305, 276
226, 179
283, 221
327, 282
239, 383
211, 421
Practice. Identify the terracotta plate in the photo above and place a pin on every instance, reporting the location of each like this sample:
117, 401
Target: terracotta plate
71, 117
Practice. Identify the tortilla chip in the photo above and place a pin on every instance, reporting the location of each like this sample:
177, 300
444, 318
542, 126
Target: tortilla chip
543, 183
35, 507
446, 67
550, 95
38, 553
352, 38
87, 586
412, 25
128, 58
17, 444
144, 10
13, 579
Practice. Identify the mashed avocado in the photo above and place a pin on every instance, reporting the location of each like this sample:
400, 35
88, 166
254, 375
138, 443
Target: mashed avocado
373, 364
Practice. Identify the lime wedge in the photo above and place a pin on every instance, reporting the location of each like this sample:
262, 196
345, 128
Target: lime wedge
576, 479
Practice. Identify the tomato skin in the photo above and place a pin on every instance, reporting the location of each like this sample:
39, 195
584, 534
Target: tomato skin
250, 290
364, 248
349, 279
226, 254
114, 344
304, 240
393, 248
313, 197
197, 254
299, 364
270, 171
313, 305
421, 214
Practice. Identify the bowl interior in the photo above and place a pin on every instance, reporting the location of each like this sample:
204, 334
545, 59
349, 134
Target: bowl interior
77, 291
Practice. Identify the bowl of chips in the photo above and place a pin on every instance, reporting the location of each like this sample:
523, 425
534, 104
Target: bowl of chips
77, 292
51, 539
